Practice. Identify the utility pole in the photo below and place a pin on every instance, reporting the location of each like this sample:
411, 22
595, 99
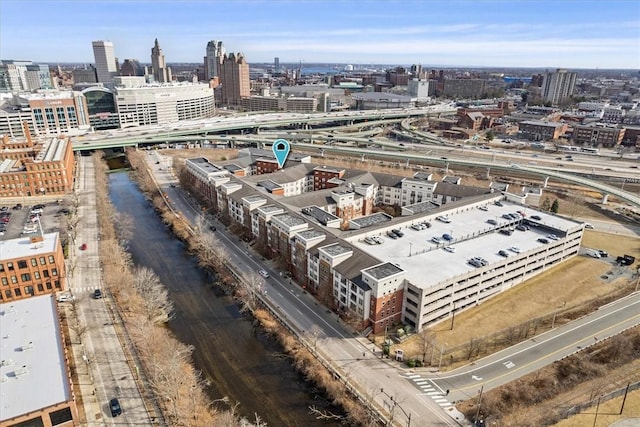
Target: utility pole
479, 404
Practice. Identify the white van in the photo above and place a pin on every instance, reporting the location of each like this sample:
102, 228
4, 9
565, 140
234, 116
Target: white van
592, 253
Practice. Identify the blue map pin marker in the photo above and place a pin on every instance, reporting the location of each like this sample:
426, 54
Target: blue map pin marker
281, 149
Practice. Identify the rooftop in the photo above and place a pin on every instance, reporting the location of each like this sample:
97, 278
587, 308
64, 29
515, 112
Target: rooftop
289, 220
472, 237
309, 234
33, 373
383, 270
22, 247
322, 216
371, 220
336, 249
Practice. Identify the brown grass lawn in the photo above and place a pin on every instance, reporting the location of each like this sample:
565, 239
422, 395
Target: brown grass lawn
615, 245
631, 409
576, 281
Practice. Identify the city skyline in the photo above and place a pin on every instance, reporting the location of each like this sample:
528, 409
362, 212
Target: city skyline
569, 34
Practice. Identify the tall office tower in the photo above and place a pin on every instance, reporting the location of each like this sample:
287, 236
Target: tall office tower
160, 72
131, 67
234, 78
215, 53
105, 61
558, 86
38, 77
276, 65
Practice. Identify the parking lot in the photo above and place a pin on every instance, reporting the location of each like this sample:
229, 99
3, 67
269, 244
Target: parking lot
17, 220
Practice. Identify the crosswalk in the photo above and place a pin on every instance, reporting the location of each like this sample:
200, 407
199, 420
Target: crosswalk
429, 389
84, 288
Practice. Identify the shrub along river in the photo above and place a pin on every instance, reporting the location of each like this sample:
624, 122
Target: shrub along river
238, 360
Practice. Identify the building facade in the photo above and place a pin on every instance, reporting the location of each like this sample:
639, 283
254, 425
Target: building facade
234, 78
161, 74
104, 56
213, 59
31, 266
558, 86
36, 169
142, 104
538, 130
592, 135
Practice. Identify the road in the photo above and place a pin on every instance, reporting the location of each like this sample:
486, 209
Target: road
103, 353
531, 355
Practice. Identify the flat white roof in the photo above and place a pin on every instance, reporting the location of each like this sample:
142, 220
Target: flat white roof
22, 246
33, 374
429, 264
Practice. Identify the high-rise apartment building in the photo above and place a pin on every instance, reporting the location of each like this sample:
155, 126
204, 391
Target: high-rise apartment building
161, 73
105, 59
213, 59
276, 65
234, 78
558, 86
19, 76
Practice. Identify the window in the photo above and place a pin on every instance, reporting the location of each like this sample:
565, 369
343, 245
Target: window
36, 275
26, 277
10, 266
34, 262
1, 268
40, 287
18, 292
14, 279
5, 282
49, 285
22, 264
28, 290
54, 271
51, 260
45, 273
8, 293
42, 261
57, 284
61, 416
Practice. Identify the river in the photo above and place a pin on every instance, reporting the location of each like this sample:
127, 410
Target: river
240, 362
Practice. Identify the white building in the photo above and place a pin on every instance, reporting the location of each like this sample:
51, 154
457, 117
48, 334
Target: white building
105, 58
142, 104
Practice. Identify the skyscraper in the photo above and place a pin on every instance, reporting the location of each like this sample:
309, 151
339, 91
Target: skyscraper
105, 61
160, 72
213, 59
234, 78
276, 65
558, 86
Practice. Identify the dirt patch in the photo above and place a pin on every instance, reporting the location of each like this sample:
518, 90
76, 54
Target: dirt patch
615, 246
608, 412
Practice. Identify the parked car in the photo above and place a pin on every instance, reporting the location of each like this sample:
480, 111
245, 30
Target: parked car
589, 226
483, 208
492, 222
498, 203
447, 237
437, 240
543, 240
64, 297
449, 249
97, 294
397, 232
443, 218
522, 227
392, 235
592, 253
83, 247
552, 236
506, 232
503, 253
536, 217
515, 249
603, 254
114, 407
263, 273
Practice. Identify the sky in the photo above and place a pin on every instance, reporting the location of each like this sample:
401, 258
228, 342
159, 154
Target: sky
516, 33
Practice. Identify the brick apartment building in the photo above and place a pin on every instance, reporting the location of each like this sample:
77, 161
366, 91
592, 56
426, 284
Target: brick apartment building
605, 136
31, 267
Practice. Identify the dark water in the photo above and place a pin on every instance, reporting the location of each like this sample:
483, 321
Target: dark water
240, 361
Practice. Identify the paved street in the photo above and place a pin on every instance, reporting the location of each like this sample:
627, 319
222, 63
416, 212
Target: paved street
102, 363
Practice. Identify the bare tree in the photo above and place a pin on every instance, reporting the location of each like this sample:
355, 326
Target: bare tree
249, 287
157, 305
427, 340
314, 334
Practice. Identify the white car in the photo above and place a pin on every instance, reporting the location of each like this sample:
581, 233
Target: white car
437, 240
443, 218
64, 297
450, 249
263, 273
515, 249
